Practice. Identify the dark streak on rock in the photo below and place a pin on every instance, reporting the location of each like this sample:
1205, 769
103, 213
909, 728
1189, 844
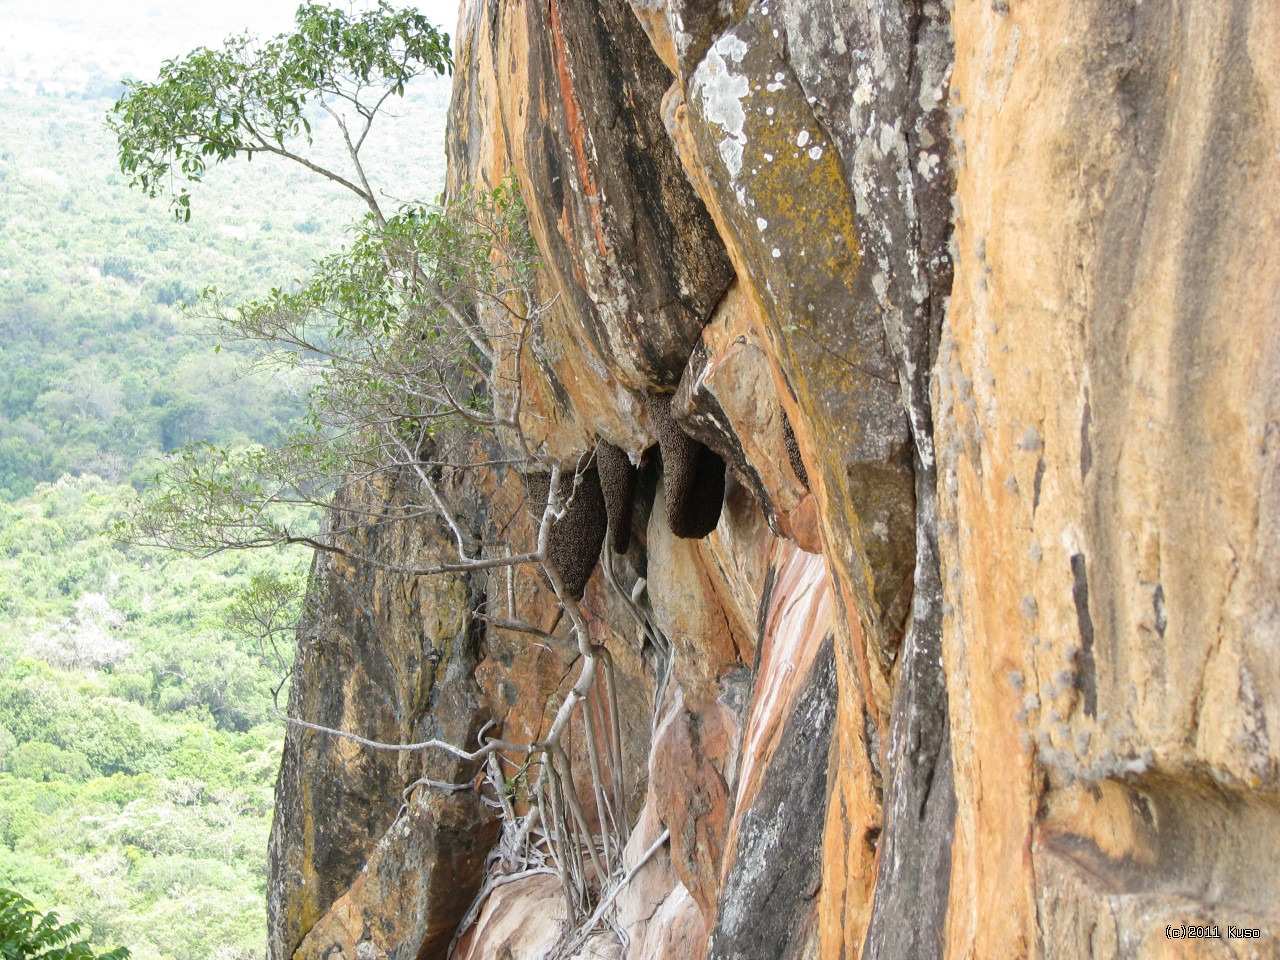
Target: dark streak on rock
1086, 450
1086, 669
1162, 615
793, 451
767, 899
762, 612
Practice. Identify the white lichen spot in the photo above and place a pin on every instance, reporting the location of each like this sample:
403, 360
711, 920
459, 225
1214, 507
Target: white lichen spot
776, 253
891, 139
768, 111
815, 153
802, 138
722, 94
731, 155
769, 157
928, 164
761, 223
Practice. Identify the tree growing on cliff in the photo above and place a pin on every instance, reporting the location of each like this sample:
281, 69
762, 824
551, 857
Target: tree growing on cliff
384, 332
388, 329
252, 98
415, 336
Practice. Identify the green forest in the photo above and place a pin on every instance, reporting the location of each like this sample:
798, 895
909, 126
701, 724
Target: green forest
139, 744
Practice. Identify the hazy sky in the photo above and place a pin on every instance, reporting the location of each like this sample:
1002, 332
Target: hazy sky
65, 40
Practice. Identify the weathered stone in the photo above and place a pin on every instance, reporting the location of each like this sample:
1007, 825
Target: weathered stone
635, 259
773, 181
385, 656
768, 905
418, 882
726, 401
1106, 395
698, 731
656, 910
520, 919
682, 30
779, 100
688, 774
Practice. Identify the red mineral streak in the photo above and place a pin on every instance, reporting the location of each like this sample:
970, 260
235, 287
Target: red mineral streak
577, 129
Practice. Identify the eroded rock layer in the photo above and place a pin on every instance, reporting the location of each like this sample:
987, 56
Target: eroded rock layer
971, 310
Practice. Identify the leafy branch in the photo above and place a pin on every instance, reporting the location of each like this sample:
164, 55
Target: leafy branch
27, 934
251, 97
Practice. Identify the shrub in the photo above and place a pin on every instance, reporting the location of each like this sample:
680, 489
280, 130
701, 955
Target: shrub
27, 934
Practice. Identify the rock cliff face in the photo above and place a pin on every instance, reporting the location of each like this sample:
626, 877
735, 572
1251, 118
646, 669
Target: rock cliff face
976, 306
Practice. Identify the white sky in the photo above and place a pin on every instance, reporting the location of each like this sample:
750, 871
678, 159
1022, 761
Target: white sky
64, 41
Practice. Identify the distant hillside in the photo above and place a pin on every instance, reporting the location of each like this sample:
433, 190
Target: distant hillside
138, 745
99, 369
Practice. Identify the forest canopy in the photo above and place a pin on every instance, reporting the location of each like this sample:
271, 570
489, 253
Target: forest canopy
138, 738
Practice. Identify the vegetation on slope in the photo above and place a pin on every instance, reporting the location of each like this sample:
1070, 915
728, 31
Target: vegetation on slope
100, 367
138, 744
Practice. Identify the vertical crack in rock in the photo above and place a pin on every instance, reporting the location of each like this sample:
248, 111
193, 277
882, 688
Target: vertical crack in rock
1086, 447
1086, 669
1037, 486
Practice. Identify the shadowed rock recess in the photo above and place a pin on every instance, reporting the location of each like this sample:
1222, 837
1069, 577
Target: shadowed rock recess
944, 614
